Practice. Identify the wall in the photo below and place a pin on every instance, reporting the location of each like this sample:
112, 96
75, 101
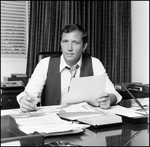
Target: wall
140, 41
140, 46
12, 65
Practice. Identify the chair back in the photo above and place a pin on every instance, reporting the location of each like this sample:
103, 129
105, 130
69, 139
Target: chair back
42, 55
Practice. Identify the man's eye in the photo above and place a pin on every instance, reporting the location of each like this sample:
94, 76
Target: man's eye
64, 41
76, 42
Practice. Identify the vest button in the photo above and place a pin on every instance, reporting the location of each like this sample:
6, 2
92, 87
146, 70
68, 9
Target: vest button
58, 101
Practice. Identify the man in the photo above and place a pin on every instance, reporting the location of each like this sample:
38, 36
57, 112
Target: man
53, 75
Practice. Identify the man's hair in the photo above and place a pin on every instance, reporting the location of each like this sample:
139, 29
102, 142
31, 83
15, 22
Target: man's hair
75, 27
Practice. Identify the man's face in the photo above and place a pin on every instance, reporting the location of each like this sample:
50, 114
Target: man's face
72, 47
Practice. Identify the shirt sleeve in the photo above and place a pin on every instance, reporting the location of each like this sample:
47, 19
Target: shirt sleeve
99, 69
36, 83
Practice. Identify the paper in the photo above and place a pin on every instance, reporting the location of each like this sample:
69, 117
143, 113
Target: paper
10, 111
117, 109
53, 128
86, 89
47, 119
144, 102
81, 107
11, 143
46, 123
123, 111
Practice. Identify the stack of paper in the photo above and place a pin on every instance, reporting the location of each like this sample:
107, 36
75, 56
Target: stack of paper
46, 124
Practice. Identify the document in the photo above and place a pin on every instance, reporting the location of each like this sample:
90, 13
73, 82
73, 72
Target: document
123, 111
144, 102
46, 123
86, 89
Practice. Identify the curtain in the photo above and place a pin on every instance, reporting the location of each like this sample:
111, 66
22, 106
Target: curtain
108, 24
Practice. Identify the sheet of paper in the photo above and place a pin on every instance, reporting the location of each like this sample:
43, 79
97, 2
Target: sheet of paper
39, 119
81, 107
123, 111
86, 89
11, 143
144, 102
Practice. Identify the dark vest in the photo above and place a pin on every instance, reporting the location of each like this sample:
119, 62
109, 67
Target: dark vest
52, 89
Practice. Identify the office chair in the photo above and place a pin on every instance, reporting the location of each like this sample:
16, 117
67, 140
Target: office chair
42, 55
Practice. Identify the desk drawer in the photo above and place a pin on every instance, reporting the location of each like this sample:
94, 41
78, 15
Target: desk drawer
8, 102
9, 97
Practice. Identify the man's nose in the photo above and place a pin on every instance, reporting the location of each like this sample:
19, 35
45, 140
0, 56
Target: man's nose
70, 47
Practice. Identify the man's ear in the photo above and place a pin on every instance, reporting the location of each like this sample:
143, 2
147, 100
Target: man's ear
85, 46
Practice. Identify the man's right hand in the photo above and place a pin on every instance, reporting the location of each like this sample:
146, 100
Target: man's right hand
28, 103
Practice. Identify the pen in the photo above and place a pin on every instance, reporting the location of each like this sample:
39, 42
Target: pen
135, 99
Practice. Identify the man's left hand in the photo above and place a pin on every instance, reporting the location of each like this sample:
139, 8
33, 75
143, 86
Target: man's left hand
104, 100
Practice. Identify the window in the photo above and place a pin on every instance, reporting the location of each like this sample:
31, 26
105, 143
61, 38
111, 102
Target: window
14, 28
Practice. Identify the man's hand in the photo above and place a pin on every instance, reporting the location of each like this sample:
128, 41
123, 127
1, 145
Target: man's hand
104, 100
28, 103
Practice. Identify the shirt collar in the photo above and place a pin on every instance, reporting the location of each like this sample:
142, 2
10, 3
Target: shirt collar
63, 63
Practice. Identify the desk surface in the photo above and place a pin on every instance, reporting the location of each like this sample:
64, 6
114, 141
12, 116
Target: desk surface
124, 134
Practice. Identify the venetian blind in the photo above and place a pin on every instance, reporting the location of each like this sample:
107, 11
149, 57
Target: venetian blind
14, 28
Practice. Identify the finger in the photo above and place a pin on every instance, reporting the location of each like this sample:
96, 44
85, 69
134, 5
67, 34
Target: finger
102, 99
28, 98
23, 109
33, 100
27, 107
93, 103
104, 105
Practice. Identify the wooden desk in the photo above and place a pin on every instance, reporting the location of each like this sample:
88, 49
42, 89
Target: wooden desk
113, 135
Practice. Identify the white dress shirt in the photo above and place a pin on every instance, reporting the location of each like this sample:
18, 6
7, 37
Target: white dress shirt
37, 81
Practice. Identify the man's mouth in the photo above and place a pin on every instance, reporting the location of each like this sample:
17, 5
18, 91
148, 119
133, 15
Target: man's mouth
70, 54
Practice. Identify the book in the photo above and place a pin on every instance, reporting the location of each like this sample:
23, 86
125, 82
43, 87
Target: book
98, 120
92, 118
18, 75
85, 113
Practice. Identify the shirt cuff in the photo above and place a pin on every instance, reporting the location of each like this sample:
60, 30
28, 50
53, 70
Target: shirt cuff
119, 97
21, 95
